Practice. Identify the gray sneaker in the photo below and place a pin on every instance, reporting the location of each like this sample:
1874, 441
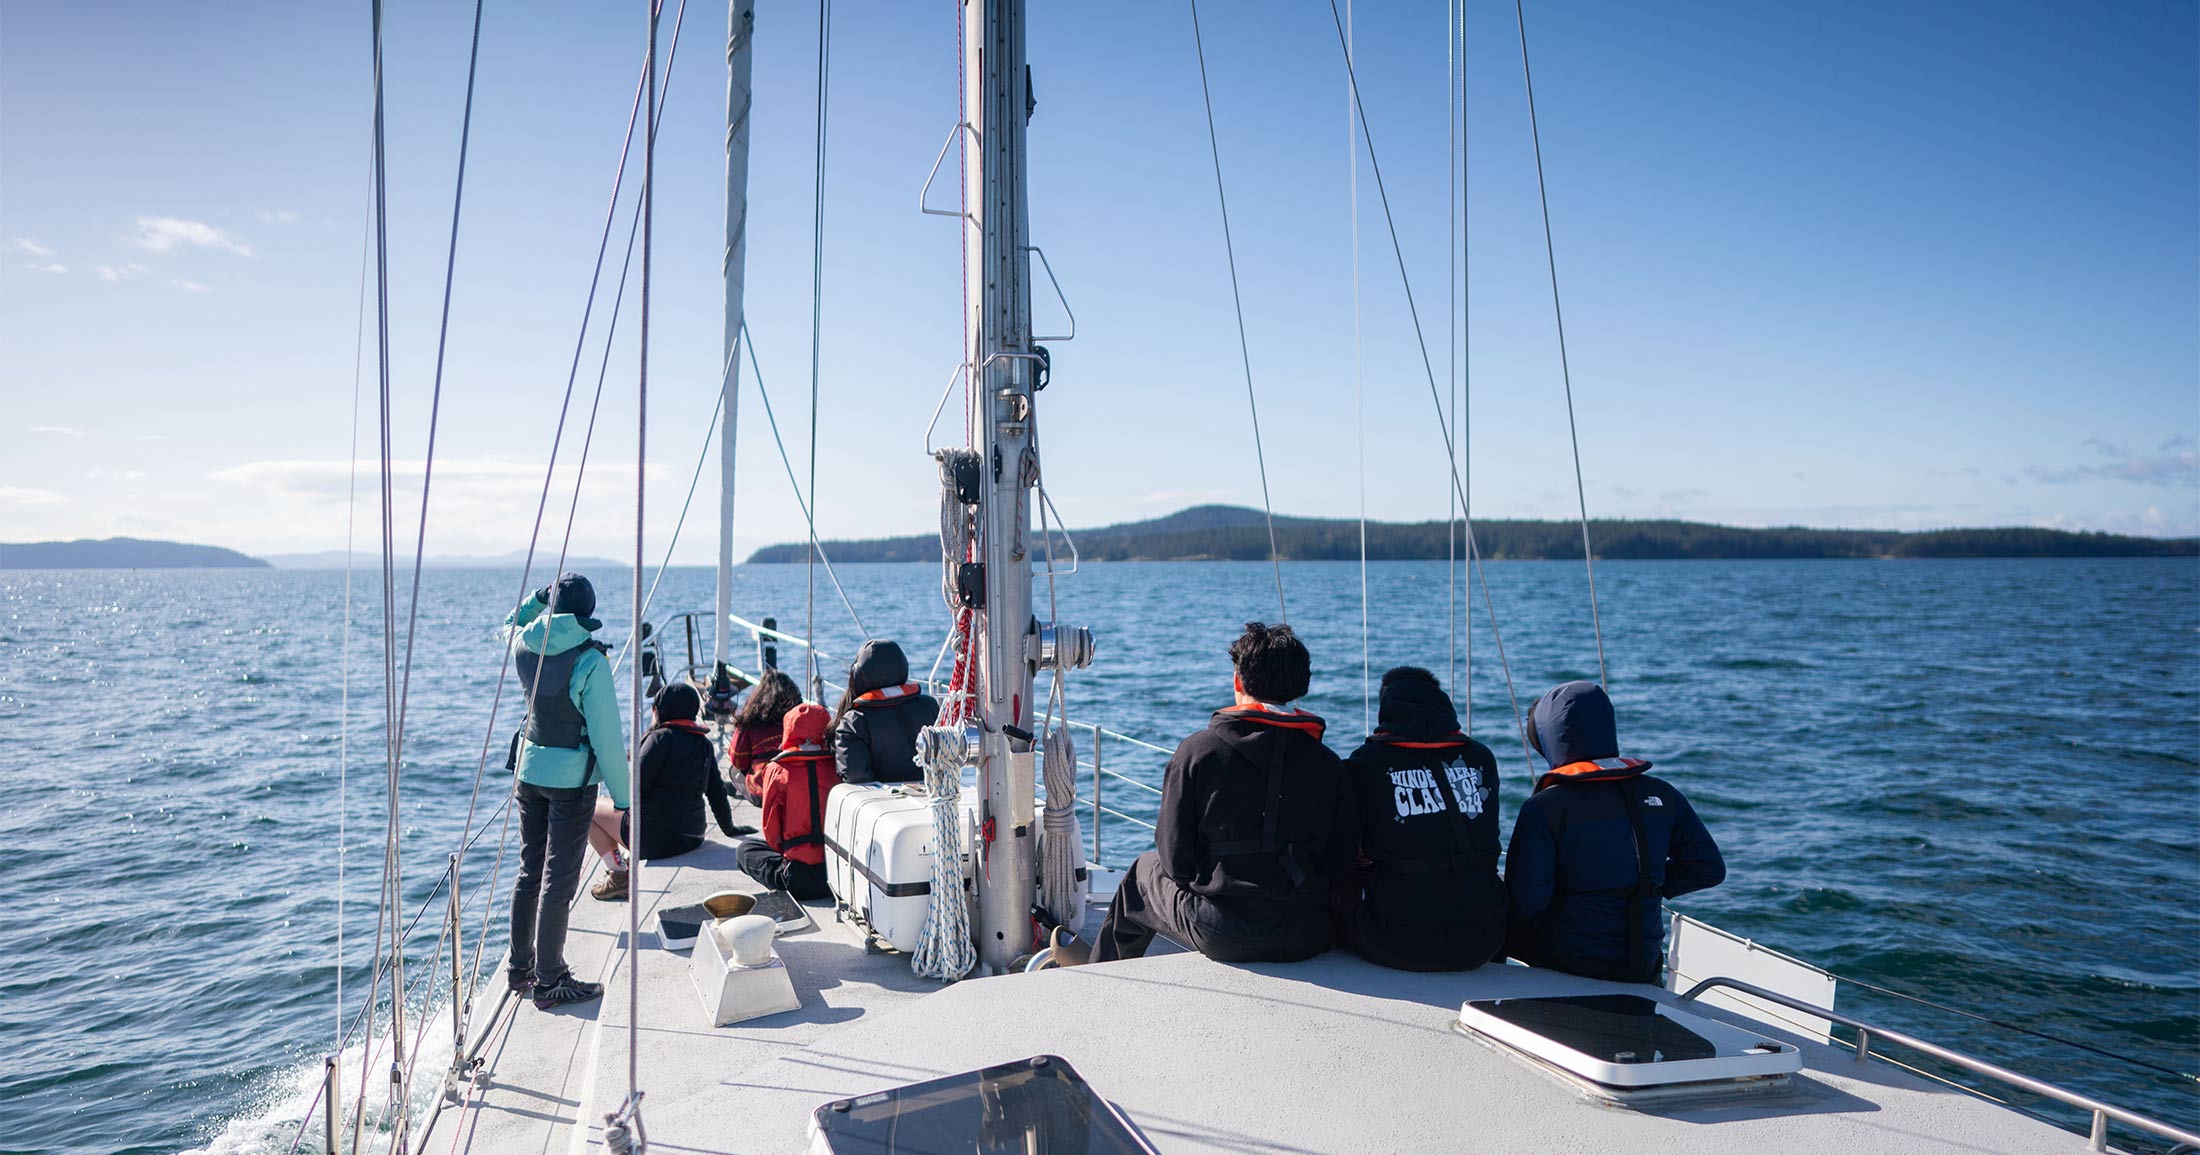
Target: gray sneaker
566, 990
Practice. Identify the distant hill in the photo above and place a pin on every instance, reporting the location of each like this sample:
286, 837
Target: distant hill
121, 553
1235, 533
544, 559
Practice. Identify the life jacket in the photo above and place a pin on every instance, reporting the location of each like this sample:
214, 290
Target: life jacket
1270, 842
1643, 895
1457, 855
887, 694
546, 681
811, 761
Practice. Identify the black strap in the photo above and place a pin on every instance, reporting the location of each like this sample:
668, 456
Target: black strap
816, 836
1271, 820
1645, 888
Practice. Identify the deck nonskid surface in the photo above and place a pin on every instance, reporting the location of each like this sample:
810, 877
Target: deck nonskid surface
1331, 1055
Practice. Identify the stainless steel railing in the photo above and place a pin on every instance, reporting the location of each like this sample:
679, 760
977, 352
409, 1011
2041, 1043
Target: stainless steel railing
1866, 1032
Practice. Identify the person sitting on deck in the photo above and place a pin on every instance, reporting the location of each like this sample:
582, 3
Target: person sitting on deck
674, 775
1596, 846
1427, 897
570, 741
875, 729
756, 729
791, 854
1256, 827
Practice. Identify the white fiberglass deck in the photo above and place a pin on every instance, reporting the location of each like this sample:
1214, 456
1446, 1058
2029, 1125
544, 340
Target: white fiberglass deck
1332, 1055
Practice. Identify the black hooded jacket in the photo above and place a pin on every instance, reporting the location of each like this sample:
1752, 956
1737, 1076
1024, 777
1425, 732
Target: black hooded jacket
875, 737
676, 774
1573, 866
1426, 796
1214, 819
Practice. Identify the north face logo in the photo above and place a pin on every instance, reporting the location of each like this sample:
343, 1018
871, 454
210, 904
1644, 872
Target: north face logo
1653, 800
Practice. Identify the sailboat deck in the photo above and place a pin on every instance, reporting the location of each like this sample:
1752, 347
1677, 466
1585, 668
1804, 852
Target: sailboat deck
1331, 1055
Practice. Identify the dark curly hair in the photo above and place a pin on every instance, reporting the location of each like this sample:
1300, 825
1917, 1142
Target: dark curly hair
1272, 663
768, 703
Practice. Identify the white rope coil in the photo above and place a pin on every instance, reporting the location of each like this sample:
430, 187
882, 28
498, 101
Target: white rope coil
954, 525
944, 951
1064, 841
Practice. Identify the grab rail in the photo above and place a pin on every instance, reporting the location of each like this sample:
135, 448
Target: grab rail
2102, 1112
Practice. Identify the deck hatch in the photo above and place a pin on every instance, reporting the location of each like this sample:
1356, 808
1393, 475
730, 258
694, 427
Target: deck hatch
1035, 1104
1627, 1041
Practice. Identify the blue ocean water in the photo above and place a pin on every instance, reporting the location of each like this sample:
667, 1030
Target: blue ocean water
1975, 781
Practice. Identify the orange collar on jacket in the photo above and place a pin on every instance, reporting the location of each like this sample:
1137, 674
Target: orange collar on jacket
889, 693
1455, 738
806, 752
684, 724
1287, 719
1593, 770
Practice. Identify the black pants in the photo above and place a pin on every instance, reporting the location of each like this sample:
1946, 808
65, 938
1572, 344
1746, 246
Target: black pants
1526, 942
801, 879
1412, 944
1150, 902
553, 846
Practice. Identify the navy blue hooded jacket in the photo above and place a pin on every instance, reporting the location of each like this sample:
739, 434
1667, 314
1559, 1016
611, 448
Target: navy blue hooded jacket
1572, 866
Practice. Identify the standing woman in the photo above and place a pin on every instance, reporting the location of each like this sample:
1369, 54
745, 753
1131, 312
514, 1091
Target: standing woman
756, 729
675, 775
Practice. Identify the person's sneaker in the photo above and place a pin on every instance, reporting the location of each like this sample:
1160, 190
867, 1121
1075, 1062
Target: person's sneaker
566, 990
521, 982
611, 889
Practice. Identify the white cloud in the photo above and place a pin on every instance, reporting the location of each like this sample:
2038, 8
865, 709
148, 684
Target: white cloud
150, 437
276, 216
164, 234
27, 245
55, 269
189, 286
58, 430
117, 475
122, 272
24, 495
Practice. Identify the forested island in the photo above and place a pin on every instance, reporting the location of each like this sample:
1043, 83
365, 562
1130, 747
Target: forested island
121, 553
1235, 533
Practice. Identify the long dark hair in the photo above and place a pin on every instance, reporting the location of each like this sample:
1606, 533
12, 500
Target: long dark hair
768, 703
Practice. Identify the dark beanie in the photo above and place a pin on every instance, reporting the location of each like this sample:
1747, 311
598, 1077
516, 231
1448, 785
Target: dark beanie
572, 594
677, 702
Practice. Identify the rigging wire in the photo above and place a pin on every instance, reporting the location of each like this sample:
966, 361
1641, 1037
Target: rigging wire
1452, 68
1237, 299
1353, 115
817, 547
635, 817
1462, 450
1558, 315
1428, 368
817, 319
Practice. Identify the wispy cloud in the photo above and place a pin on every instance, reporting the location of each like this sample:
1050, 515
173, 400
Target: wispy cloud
2175, 464
165, 234
25, 495
115, 474
58, 430
47, 268
188, 286
276, 216
27, 245
121, 272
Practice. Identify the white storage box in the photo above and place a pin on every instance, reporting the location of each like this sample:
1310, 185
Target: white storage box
878, 856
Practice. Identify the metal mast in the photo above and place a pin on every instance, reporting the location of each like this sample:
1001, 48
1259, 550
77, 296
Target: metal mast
740, 29
1004, 375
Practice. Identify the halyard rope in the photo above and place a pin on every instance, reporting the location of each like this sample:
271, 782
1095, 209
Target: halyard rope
944, 950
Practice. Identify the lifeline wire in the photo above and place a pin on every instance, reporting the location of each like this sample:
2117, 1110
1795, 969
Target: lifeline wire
1550, 254
1428, 367
817, 319
1237, 299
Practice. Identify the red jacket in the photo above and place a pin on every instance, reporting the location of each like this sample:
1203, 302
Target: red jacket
751, 752
795, 784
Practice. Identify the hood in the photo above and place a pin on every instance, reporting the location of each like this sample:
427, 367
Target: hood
1240, 721
677, 702
803, 731
549, 634
1573, 728
878, 665
1415, 709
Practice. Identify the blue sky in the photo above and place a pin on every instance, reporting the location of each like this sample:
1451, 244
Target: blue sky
1865, 264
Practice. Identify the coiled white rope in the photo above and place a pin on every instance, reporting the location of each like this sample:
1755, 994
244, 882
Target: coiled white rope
1064, 839
954, 525
944, 951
